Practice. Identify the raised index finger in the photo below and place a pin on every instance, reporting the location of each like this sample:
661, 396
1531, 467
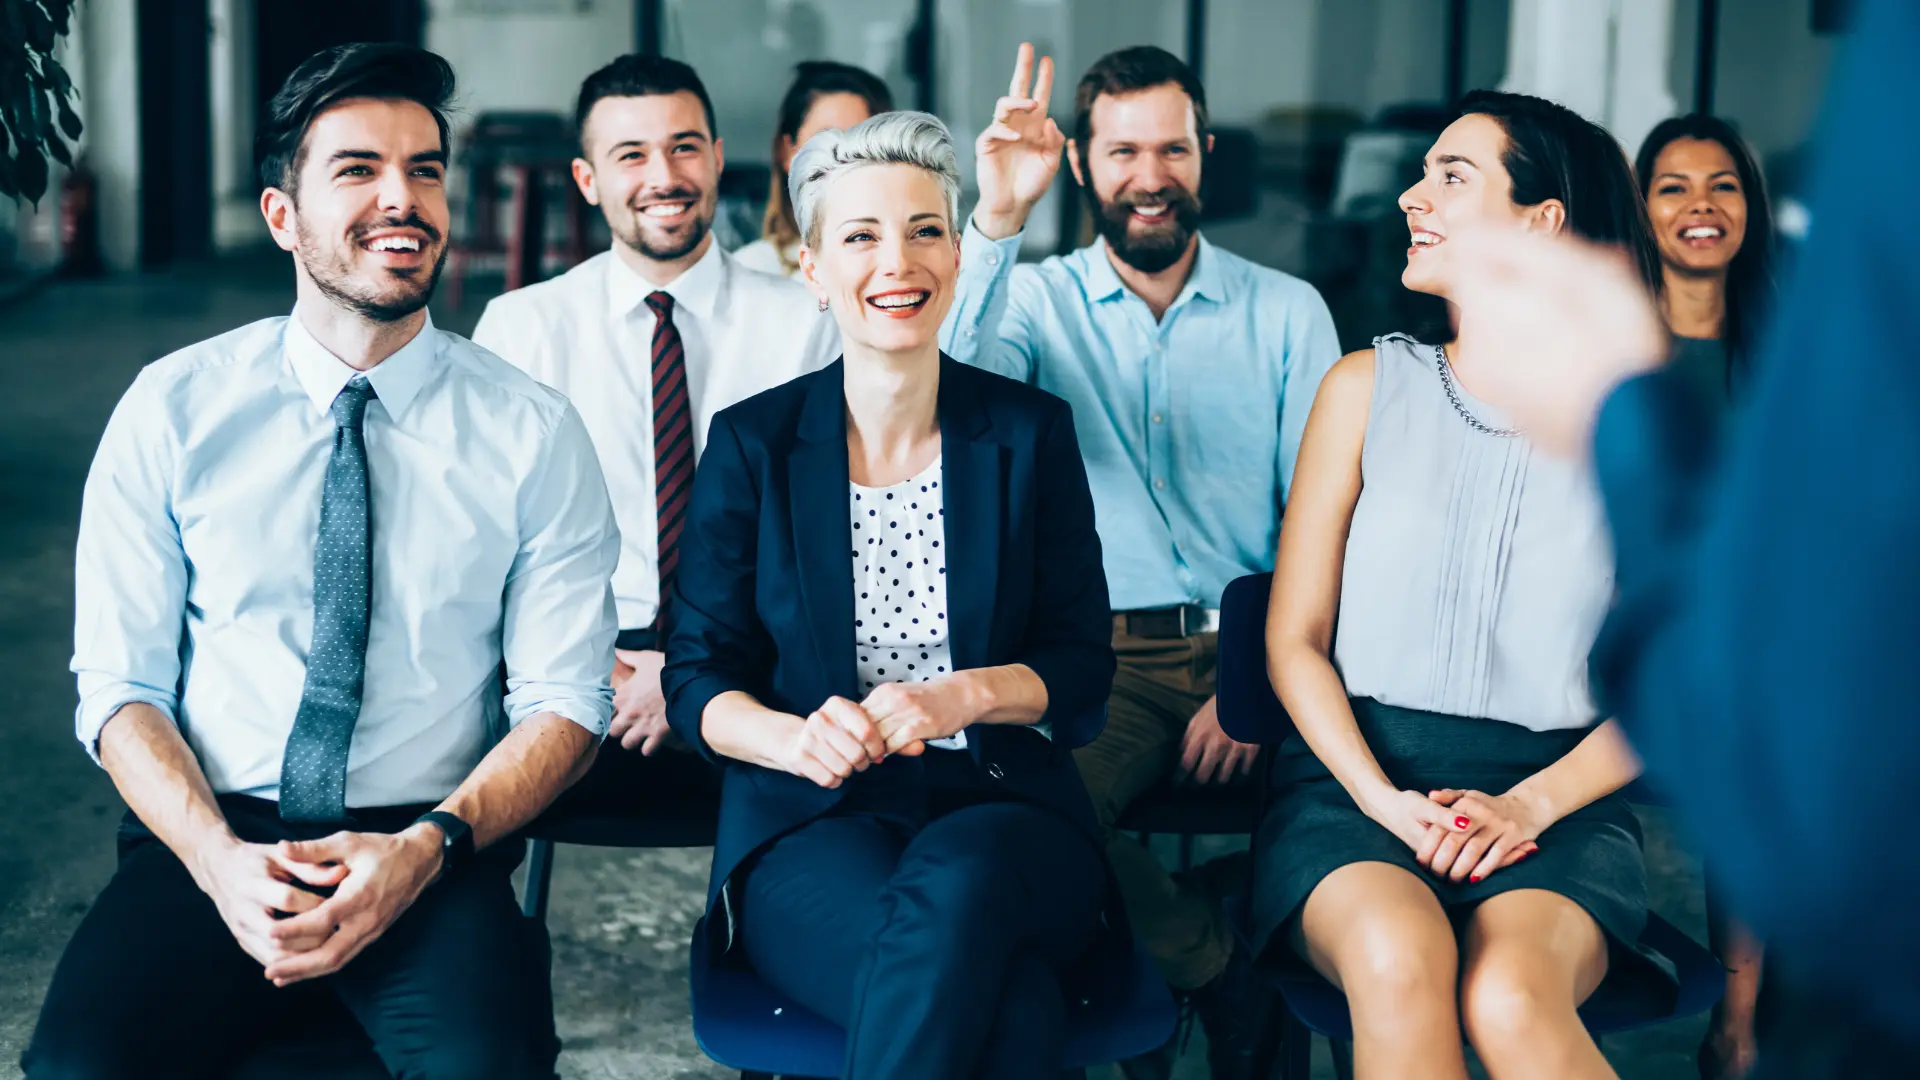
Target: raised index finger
1043, 85
1022, 71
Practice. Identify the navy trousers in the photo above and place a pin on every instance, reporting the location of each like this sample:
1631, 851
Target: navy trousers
939, 944
153, 983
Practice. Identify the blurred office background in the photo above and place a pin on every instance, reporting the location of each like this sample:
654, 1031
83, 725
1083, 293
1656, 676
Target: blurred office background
1321, 107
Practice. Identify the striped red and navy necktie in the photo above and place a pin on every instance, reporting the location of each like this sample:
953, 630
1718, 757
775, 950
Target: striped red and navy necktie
672, 442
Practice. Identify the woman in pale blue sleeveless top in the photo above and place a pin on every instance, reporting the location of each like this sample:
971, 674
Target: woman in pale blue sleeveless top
1447, 842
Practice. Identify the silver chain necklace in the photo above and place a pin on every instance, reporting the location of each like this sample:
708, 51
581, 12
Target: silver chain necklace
1453, 395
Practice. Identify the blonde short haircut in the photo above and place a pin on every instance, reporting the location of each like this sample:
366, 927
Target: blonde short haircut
893, 138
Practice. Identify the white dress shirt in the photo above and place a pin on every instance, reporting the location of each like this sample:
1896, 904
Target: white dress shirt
589, 334
492, 541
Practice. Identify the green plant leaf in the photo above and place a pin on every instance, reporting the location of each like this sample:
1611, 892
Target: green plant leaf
32, 175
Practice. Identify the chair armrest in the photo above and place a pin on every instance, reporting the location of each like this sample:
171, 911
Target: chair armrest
1249, 711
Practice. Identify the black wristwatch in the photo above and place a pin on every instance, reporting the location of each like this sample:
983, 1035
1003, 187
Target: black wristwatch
456, 839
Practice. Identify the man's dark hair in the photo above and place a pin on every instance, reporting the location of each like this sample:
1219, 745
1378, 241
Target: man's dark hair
361, 70
1128, 71
634, 75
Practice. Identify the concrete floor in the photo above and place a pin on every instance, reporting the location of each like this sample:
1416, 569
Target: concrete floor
620, 919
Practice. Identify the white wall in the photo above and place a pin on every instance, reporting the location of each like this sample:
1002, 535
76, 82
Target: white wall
236, 205
105, 47
526, 61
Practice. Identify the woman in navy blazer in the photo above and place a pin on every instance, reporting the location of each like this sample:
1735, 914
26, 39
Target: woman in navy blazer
890, 622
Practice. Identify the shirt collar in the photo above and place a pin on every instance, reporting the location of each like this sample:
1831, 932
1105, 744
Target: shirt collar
1207, 280
697, 290
397, 380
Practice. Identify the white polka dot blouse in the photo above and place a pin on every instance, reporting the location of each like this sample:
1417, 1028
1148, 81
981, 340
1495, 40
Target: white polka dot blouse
900, 584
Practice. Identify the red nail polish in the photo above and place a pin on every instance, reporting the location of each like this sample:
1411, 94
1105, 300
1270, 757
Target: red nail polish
1461, 823
1475, 879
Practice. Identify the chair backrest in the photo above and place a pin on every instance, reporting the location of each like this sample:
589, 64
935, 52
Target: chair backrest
1249, 711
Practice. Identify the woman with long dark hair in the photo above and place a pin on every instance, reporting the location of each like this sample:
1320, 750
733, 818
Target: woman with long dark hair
1447, 841
825, 95
1708, 202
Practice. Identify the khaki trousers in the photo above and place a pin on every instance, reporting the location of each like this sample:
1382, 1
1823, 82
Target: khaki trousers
1159, 685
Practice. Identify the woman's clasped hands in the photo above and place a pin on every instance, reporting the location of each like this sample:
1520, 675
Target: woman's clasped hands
842, 737
1502, 830
1458, 835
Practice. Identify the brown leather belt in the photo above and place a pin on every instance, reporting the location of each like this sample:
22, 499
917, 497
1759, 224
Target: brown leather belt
1173, 622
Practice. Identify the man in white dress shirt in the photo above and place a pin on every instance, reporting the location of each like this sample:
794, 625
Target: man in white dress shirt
344, 625
649, 340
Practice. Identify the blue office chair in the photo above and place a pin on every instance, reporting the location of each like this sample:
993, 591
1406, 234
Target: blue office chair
1124, 1010
1251, 713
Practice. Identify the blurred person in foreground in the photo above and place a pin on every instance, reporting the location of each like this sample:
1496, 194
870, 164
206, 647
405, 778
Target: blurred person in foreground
1191, 371
343, 626
1708, 203
824, 95
1448, 842
1762, 650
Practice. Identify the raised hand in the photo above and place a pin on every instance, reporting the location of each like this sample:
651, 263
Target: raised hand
1018, 154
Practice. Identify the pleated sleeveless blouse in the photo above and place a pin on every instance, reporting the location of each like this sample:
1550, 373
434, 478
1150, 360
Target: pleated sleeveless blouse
1478, 570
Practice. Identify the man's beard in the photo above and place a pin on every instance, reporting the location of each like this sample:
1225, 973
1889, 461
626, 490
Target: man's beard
334, 275
634, 235
1156, 249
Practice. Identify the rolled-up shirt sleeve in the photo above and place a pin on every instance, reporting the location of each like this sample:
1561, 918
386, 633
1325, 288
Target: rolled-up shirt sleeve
987, 327
558, 623
130, 570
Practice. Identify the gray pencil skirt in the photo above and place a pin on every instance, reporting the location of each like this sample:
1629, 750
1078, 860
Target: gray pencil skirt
1312, 828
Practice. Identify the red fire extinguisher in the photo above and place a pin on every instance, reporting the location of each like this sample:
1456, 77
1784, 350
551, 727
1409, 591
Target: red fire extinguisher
80, 224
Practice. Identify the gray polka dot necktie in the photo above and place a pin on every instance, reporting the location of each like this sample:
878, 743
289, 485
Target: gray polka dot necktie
313, 775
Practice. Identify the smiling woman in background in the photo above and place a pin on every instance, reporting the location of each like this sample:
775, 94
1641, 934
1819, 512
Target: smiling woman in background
1712, 220
892, 627
825, 95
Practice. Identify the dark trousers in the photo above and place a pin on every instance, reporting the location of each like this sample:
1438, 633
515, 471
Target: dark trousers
939, 945
1159, 685
154, 985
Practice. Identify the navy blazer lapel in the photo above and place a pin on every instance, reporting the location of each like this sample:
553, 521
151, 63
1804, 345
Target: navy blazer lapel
822, 535
972, 470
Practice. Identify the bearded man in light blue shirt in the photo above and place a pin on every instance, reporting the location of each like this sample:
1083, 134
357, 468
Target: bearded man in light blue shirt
1191, 372
344, 626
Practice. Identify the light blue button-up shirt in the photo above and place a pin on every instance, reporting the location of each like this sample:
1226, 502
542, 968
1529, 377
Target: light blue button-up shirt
1189, 425
493, 540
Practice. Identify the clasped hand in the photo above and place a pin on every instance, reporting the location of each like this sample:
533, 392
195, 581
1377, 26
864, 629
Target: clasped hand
1459, 835
266, 894
842, 738
1503, 831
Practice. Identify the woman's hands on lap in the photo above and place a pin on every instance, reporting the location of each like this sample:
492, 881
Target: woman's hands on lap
1503, 830
908, 715
837, 740
1410, 816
